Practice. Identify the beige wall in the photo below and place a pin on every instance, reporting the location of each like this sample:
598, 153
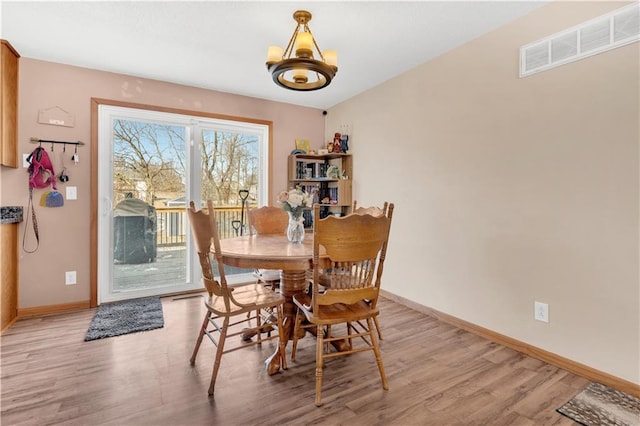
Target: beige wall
64, 232
512, 190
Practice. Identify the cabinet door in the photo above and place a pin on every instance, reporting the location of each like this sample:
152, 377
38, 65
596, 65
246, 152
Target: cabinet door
9, 105
9, 277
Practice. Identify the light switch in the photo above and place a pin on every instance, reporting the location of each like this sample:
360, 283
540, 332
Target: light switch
72, 193
70, 277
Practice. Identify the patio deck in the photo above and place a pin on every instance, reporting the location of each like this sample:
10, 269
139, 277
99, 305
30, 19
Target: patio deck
169, 268
170, 264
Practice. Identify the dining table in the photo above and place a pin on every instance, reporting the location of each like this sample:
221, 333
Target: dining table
274, 251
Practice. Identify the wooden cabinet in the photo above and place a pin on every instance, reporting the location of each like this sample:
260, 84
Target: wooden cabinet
8, 105
328, 177
9, 274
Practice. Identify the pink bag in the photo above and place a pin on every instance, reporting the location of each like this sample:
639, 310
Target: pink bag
41, 173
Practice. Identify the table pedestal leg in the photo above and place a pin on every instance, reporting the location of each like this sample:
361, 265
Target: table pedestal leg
291, 283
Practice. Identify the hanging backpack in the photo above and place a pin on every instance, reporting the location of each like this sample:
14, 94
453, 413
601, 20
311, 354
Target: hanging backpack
41, 175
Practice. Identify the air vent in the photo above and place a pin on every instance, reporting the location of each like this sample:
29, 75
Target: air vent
598, 35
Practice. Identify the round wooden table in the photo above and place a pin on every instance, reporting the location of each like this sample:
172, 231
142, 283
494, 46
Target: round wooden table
274, 252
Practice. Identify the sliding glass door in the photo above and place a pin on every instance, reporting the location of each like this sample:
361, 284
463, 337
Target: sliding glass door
151, 164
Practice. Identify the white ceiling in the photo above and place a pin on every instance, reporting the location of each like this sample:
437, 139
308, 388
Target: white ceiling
222, 45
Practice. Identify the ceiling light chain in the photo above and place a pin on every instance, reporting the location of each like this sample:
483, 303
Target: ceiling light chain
292, 72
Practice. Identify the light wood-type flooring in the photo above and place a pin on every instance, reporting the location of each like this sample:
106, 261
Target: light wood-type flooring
438, 375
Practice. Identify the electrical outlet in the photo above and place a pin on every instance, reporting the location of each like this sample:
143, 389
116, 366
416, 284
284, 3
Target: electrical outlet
70, 277
541, 311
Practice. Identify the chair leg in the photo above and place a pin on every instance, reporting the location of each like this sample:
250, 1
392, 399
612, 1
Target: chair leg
296, 328
219, 352
376, 351
203, 327
349, 329
258, 325
319, 364
281, 336
375, 320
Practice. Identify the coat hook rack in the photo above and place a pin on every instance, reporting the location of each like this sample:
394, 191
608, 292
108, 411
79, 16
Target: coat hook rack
37, 140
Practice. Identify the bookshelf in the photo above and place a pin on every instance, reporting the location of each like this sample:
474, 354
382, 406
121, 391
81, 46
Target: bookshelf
328, 177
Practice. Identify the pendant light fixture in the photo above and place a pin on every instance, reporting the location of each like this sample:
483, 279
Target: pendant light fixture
303, 71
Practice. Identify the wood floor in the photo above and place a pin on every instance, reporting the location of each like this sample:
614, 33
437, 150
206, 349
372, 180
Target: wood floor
438, 375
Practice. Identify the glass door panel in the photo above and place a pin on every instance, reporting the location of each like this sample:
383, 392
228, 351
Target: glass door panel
230, 176
151, 164
149, 222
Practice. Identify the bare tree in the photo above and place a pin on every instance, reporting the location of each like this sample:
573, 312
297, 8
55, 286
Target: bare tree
155, 154
146, 152
228, 165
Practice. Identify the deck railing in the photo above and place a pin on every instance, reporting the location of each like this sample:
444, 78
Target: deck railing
172, 227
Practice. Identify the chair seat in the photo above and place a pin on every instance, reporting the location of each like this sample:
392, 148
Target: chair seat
336, 313
252, 294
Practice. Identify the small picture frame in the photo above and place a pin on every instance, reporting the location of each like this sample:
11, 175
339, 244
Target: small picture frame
303, 145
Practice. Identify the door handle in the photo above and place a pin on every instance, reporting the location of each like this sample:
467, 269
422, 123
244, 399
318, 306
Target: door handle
107, 206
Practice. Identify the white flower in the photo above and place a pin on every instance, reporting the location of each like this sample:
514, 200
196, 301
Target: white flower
283, 197
294, 201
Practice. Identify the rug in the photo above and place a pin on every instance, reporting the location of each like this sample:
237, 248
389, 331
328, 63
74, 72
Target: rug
129, 316
599, 405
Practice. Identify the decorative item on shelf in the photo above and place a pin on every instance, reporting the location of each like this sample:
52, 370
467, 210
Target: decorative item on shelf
344, 143
302, 72
314, 195
330, 146
333, 172
303, 145
294, 202
336, 143
345, 131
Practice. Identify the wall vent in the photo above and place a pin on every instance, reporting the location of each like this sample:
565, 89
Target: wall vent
606, 32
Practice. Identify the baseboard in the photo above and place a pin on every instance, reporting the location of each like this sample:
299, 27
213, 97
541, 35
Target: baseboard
8, 325
77, 306
53, 309
525, 348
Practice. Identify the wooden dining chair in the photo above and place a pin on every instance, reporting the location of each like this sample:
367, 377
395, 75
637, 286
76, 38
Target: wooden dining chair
250, 305
268, 220
371, 210
374, 211
355, 248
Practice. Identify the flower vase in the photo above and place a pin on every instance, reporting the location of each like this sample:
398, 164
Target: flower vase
295, 229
